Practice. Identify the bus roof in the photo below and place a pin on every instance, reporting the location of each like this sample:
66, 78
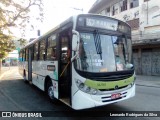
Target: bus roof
70, 19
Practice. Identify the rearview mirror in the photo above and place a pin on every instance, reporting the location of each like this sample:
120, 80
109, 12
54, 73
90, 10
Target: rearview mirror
75, 40
75, 43
129, 66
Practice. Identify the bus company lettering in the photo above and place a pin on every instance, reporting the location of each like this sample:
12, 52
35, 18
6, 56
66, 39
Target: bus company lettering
101, 84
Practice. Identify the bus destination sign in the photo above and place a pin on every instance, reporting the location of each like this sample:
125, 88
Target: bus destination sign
102, 23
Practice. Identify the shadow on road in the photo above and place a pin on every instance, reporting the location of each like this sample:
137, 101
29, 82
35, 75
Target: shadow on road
32, 99
27, 97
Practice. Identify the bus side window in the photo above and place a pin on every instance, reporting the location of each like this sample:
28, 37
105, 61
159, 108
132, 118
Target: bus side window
42, 50
26, 54
51, 48
65, 51
32, 53
53, 53
22, 55
36, 51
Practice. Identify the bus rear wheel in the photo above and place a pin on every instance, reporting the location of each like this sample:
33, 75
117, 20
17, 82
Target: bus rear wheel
50, 91
24, 77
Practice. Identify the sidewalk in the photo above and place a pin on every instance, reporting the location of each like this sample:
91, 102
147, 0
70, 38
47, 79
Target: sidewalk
3, 70
153, 81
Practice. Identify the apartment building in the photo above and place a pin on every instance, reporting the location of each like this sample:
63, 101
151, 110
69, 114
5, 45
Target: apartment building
144, 18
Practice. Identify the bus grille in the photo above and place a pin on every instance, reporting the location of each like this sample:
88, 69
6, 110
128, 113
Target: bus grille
108, 98
112, 77
113, 88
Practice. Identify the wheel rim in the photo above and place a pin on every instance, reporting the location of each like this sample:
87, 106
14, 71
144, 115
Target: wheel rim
51, 92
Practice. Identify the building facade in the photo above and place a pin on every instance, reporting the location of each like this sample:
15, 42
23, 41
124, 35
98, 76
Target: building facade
144, 18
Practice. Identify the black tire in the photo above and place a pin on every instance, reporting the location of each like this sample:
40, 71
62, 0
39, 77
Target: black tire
50, 92
24, 77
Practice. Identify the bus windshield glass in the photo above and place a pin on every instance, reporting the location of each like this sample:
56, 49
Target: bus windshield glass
103, 53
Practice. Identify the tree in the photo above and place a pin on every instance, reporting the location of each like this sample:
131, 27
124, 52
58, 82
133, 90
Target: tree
15, 13
22, 42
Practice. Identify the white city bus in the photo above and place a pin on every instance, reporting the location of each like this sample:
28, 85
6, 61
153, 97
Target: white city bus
84, 62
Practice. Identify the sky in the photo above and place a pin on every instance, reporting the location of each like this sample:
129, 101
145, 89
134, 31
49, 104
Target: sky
55, 12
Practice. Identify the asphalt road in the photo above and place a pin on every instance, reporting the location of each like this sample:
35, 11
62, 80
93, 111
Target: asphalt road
15, 95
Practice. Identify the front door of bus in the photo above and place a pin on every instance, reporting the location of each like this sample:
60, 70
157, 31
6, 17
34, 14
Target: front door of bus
65, 88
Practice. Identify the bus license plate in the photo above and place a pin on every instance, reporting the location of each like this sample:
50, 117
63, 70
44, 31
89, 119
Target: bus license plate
115, 96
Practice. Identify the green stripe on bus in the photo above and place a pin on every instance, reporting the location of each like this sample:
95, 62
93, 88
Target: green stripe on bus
109, 84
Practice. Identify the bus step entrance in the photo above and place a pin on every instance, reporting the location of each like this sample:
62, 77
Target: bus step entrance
64, 87
64, 91
66, 101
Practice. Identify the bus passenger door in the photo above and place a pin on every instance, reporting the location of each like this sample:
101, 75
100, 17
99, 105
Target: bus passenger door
65, 69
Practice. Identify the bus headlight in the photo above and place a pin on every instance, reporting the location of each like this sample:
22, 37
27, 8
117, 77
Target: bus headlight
86, 88
94, 91
81, 85
78, 81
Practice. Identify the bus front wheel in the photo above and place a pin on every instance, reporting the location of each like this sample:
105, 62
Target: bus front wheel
50, 91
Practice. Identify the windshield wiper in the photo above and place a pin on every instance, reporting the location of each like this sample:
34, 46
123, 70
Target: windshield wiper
97, 41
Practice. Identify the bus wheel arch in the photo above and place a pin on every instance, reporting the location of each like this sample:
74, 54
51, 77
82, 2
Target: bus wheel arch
49, 88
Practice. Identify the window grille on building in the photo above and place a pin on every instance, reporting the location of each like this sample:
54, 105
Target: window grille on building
123, 5
134, 3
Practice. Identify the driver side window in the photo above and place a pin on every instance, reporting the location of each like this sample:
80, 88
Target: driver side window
64, 50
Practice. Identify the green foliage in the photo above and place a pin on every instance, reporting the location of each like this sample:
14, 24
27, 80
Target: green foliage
6, 45
15, 13
22, 42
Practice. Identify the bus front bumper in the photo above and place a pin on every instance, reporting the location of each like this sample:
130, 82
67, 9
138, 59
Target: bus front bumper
82, 100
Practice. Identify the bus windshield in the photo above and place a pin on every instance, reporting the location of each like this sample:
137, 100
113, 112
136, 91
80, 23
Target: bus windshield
103, 53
